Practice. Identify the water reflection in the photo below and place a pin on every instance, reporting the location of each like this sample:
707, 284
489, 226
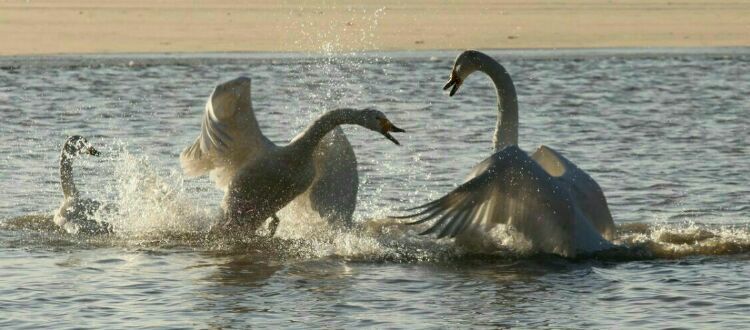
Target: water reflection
251, 270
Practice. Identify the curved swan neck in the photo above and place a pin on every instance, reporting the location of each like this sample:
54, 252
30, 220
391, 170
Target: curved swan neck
506, 130
66, 175
306, 142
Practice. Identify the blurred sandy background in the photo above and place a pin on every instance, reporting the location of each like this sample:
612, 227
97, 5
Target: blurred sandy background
116, 26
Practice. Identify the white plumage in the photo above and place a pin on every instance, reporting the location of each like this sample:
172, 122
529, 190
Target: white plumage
259, 177
558, 207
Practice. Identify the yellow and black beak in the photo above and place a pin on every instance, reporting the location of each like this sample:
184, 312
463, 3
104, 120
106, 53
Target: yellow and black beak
92, 151
454, 82
386, 127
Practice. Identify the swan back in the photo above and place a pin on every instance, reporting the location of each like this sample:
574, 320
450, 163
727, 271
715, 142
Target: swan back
587, 193
75, 215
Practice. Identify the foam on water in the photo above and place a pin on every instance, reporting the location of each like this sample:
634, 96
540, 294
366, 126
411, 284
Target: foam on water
682, 239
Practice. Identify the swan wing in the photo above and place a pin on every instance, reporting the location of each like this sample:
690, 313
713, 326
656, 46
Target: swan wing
229, 134
586, 192
513, 189
507, 187
333, 193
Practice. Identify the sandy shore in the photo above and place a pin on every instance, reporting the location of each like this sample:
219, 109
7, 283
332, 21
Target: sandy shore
115, 26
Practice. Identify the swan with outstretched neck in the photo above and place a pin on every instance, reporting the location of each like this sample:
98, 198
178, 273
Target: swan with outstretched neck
557, 206
260, 177
75, 213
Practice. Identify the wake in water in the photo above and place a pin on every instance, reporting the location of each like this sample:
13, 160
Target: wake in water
156, 211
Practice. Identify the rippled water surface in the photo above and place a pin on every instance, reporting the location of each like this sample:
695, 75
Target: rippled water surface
664, 134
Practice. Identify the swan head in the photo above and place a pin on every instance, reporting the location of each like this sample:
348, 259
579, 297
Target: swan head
78, 145
464, 65
378, 122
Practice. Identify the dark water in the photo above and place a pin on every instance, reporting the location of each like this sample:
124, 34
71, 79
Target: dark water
664, 133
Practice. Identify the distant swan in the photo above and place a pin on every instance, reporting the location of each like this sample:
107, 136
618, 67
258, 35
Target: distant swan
74, 215
558, 207
260, 177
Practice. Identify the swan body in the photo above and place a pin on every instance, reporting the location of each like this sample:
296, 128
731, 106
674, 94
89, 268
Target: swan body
75, 213
557, 206
259, 177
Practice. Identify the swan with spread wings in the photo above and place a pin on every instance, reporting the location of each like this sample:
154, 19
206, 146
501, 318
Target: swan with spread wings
557, 206
259, 177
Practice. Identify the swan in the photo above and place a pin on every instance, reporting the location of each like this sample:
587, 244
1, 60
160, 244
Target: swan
258, 177
74, 214
555, 205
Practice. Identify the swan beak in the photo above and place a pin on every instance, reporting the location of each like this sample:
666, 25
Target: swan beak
92, 151
389, 127
453, 82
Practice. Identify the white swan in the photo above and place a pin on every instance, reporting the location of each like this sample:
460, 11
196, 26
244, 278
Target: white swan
74, 214
259, 177
558, 207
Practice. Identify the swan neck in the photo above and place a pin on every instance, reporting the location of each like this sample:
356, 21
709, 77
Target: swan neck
506, 129
66, 176
305, 144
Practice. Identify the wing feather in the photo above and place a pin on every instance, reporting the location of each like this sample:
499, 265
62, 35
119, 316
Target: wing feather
447, 217
230, 134
512, 188
509, 182
459, 219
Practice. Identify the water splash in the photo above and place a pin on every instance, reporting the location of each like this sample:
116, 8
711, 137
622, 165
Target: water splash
151, 207
335, 79
149, 201
354, 31
303, 237
677, 240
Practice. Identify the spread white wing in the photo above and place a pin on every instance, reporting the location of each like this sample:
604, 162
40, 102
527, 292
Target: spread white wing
229, 135
511, 188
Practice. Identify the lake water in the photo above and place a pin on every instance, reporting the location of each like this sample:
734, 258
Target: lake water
664, 132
